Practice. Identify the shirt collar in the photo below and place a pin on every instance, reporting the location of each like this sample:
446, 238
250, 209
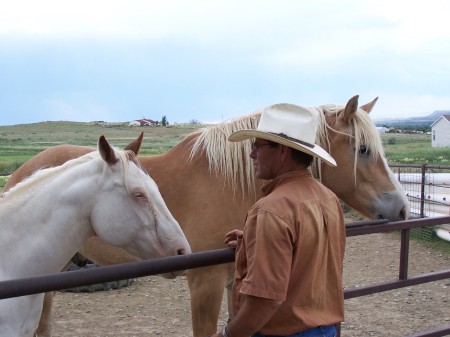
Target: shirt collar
283, 179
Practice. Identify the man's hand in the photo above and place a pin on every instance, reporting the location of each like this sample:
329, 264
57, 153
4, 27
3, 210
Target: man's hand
232, 237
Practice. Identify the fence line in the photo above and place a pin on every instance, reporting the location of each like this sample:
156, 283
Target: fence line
65, 280
83, 277
59, 281
427, 188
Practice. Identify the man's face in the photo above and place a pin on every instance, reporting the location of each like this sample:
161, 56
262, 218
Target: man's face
265, 159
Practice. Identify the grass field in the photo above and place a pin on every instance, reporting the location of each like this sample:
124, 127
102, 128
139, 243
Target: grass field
413, 149
18, 143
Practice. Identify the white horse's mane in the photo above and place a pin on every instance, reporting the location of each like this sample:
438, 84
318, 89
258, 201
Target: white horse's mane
232, 159
42, 176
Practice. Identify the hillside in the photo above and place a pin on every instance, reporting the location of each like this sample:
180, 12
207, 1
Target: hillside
413, 122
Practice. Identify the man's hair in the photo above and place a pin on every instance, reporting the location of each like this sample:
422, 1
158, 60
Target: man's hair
298, 156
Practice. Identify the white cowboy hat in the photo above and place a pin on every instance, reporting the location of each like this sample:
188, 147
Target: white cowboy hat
290, 125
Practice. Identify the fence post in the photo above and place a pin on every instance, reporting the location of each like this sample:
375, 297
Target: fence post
422, 191
404, 254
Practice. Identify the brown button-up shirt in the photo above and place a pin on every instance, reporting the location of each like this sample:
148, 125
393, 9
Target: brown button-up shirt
292, 250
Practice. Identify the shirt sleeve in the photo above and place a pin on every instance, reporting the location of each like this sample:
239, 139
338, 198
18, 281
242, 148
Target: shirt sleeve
269, 251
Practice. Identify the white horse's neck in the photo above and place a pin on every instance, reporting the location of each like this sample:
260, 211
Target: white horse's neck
42, 230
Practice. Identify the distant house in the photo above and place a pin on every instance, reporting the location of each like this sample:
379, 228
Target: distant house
134, 123
144, 122
440, 132
382, 129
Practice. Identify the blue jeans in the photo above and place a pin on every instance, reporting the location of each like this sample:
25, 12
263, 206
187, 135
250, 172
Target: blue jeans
321, 331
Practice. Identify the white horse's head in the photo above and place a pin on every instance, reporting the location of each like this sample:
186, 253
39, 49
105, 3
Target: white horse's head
129, 210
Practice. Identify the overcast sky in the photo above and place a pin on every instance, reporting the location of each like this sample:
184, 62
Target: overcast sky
214, 60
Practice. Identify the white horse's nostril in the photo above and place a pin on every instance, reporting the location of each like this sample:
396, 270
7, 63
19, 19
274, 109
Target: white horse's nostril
181, 251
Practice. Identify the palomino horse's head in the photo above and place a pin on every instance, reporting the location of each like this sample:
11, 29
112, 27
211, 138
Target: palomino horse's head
129, 211
362, 177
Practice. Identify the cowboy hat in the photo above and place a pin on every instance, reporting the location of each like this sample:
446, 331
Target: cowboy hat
290, 125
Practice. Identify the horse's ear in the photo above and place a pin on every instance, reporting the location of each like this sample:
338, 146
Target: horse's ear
350, 108
135, 146
106, 151
369, 106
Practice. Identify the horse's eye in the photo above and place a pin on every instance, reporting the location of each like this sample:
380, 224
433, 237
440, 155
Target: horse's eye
139, 195
363, 150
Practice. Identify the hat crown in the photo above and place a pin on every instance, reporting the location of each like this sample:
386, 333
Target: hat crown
290, 120
289, 125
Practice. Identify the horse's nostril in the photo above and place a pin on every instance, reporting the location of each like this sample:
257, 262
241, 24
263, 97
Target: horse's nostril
181, 252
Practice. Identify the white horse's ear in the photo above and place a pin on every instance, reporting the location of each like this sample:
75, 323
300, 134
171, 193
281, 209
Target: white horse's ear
369, 106
135, 146
350, 108
106, 151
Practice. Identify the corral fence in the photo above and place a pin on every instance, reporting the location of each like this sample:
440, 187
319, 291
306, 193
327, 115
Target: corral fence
60, 281
427, 188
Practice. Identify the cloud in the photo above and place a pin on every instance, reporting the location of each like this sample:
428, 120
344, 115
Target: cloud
212, 60
406, 105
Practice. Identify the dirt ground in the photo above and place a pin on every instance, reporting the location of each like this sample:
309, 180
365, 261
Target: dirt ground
153, 306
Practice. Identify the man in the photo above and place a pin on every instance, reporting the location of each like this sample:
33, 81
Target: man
288, 277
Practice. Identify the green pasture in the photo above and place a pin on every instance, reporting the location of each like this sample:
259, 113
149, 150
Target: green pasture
413, 149
18, 143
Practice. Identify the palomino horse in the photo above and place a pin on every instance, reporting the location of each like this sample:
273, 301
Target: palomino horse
45, 219
207, 183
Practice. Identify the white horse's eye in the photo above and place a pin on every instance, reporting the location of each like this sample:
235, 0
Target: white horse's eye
139, 195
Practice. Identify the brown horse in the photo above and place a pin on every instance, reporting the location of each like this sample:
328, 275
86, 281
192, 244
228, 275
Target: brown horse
208, 185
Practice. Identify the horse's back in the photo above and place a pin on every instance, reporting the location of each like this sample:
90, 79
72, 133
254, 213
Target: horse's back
53, 156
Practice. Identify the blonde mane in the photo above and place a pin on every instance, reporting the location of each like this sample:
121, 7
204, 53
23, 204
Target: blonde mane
42, 176
232, 160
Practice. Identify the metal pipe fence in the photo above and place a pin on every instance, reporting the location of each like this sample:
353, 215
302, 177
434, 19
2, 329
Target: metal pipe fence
427, 188
60, 281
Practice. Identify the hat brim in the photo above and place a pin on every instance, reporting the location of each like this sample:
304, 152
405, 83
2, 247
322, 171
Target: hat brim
315, 151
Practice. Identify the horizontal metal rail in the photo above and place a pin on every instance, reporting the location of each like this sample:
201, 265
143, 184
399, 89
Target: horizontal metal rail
383, 227
391, 285
441, 331
434, 167
82, 277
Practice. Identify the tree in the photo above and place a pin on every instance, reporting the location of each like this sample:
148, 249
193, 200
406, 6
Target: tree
164, 121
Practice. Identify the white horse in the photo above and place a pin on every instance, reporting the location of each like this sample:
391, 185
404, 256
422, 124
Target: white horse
45, 219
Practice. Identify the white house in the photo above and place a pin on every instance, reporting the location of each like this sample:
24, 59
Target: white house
135, 123
440, 132
144, 122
